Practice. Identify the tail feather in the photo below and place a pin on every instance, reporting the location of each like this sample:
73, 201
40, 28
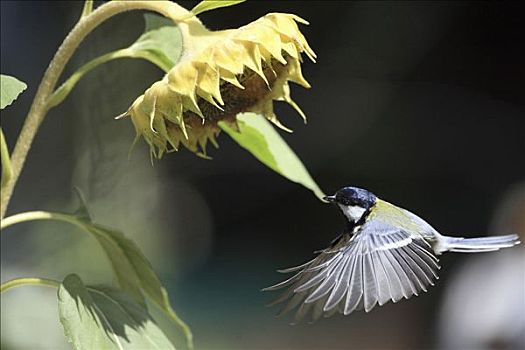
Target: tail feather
481, 244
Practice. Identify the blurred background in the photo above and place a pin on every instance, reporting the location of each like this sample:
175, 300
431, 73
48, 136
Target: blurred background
423, 103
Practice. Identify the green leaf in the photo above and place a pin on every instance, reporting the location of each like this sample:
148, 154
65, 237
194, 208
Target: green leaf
153, 21
208, 5
101, 317
161, 41
10, 88
258, 136
111, 242
160, 44
133, 270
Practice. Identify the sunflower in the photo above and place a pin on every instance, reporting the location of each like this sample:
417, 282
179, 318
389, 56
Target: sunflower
221, 74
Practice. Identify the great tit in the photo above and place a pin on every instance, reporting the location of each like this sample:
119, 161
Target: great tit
384, 253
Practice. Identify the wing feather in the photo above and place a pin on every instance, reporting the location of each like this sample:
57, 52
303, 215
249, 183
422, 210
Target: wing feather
424, 270
409, 277
295, 300
318, 308
329, 282
301, 312
320, 276
404, 271
394, 281
379, 263
371, 294
355, 288
384, 288
296, 268
417, 274
430, 262
339, 290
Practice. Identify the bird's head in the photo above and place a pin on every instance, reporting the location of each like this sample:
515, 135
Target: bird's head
354, 202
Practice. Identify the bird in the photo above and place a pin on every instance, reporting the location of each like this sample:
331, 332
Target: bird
384, 253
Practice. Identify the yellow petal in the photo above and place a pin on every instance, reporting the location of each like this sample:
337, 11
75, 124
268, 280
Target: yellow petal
296, 74
183, 78
226, 56
271, 41
208, 82
230, 78
291, 50
252, 60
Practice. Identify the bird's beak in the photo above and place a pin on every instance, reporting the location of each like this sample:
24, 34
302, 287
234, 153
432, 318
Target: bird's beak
329, 199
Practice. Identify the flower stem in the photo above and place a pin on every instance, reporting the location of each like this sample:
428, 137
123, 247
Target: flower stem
63, 91
35, 281
40, 107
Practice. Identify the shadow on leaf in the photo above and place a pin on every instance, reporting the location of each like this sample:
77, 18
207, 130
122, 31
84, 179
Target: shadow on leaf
102, 317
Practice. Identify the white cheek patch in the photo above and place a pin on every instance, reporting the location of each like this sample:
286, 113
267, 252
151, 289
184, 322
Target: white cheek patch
353, 213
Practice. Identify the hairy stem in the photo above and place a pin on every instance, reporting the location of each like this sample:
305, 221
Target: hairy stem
34, 281
40, 106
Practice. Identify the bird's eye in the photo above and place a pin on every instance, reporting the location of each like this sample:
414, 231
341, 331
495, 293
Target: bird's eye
341, 199
344, 200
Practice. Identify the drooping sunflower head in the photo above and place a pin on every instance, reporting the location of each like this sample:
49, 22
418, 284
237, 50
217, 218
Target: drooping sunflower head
221, 74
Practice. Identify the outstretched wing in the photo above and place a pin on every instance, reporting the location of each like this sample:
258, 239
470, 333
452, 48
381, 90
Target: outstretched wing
380, 263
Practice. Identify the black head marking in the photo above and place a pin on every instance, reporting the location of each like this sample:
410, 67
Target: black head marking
355, 196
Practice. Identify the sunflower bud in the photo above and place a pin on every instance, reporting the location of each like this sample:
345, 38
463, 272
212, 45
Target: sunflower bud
221, 74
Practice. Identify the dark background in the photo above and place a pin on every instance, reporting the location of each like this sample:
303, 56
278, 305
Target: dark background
422, 103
